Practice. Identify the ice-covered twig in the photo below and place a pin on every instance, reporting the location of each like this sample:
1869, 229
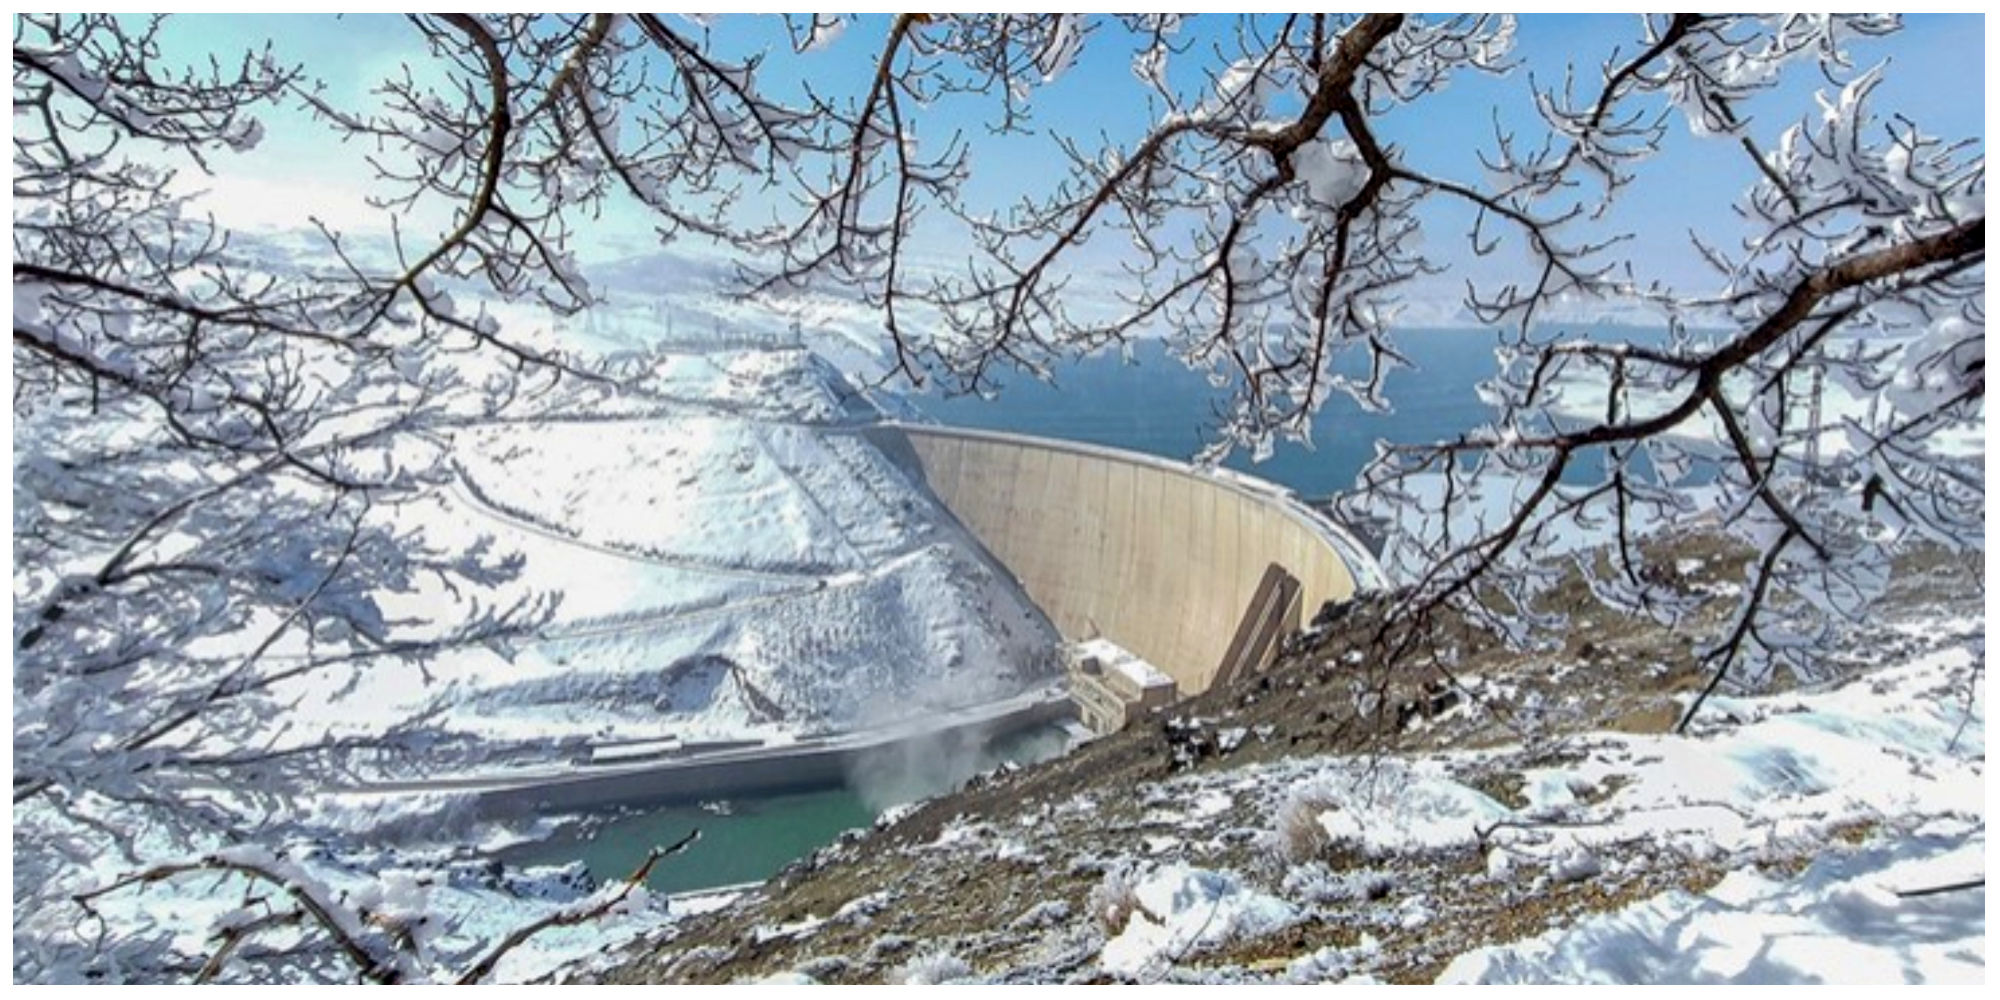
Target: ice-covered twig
583, 911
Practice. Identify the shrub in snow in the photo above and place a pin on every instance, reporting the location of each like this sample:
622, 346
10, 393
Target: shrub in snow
1314, 882
862, 909
929, 969
708, 955
824, 967
1303, 832
1325, 965
1042, 914
1299, 838
1575, 865
1371, 809
1112, 900
1178, 911
1086, 865
887, 945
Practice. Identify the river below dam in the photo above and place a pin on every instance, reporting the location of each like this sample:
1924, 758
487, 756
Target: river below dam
749, 839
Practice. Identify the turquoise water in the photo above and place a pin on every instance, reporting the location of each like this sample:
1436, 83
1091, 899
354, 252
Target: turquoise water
750, 839
748, 843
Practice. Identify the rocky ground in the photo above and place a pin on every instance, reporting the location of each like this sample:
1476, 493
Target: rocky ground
1281, 831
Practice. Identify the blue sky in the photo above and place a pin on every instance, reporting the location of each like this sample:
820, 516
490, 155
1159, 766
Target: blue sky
1935, 76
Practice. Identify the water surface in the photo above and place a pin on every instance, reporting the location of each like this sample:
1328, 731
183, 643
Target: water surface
1155, 404
750, 839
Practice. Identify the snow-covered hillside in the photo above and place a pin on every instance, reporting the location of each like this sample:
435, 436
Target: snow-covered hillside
1833, 834
726, 558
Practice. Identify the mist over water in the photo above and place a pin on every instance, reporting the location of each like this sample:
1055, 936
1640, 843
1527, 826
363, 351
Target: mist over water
920, 768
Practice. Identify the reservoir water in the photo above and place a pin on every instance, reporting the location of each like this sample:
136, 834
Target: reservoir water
1153, 403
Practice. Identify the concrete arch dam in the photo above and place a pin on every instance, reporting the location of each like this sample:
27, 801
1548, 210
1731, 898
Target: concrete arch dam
1177, 565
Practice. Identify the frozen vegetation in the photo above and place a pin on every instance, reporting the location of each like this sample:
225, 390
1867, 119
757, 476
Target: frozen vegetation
309, 523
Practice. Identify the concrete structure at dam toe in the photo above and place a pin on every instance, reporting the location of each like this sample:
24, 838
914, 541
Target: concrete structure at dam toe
1166, 560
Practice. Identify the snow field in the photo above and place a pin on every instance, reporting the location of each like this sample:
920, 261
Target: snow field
733, 565
1779, 842
1896, 754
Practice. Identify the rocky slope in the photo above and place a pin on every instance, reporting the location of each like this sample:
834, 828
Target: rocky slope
1273, 832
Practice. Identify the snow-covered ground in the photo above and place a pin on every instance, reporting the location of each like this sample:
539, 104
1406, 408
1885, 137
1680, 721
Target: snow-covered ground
1899, 754
1849, 918
1834, 834
728, 559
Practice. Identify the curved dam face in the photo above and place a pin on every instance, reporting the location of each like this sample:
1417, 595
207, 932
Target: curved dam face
1171, 563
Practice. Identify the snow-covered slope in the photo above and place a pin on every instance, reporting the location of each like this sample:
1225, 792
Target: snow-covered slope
1894, 759
1833, 834
726, 557
1894, 912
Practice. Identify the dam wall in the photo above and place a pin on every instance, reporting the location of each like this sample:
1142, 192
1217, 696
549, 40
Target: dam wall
1159, 557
